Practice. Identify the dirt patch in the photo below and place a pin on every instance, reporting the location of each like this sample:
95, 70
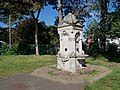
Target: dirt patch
88, 74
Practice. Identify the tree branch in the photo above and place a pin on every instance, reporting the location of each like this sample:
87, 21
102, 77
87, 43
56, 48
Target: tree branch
38, 14
32, 14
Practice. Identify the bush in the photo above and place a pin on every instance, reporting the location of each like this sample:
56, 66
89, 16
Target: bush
48, 49
112, 53
5, 50
25, 49
112, 49
93, 50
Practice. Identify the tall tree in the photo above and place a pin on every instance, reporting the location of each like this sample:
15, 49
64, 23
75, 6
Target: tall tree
76, 7
7, 15
26, 7
114, 21
103, 23
108, 18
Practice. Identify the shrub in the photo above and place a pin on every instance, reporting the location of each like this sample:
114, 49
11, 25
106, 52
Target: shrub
93, 50
112, 49
5, 50
112, 53
25, 49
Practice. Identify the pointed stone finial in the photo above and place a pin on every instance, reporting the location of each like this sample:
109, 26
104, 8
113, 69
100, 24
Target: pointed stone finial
70, 19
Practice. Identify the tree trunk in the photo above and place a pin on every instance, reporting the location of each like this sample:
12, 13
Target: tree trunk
36, 38
36, 31
103, 43
103, 23
60, 11
10, 31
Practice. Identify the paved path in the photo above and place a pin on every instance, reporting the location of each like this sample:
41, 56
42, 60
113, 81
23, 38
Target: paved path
26, 81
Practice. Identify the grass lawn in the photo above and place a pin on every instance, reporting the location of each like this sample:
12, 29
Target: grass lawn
11, 65
111, 81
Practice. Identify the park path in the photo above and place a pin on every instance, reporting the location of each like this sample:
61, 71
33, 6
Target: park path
25, 81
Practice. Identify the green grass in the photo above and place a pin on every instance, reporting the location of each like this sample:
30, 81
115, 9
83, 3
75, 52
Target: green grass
111, 81
11, 65
93, 72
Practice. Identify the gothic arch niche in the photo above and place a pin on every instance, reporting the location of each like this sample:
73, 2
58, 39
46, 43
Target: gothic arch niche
77, 42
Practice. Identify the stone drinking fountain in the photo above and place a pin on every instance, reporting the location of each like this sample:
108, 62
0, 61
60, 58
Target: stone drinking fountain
71, 57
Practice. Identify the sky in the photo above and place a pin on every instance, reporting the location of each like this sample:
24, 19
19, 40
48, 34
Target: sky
48, 15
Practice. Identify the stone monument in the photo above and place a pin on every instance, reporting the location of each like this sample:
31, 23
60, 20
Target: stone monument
70, 56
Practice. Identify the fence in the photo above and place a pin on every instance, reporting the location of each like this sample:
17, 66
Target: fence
46, 48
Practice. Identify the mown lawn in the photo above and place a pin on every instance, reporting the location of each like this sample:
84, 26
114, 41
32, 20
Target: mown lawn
11, 65
111, 81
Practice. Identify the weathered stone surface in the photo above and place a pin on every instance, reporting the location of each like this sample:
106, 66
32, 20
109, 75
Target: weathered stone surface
71, 56
90, 74
70, 19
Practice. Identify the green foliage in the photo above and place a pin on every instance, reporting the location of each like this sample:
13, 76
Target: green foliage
4, 35
47, 36
25, 49
16, 49
92, 30
115, 29
54, 37
24, 7
49, 49
93, 50
6, 50
112, 53
112, 49
25, 32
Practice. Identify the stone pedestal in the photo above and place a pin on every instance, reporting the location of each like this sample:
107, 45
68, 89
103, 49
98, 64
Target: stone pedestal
71, 56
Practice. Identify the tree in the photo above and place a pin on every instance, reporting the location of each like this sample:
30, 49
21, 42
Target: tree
77, 7
24, 32
32, 7
26, 7
109, 13
8, 13
114, 21
108, 16
54, 37
115, 29
24, 36
103, 23
3, 35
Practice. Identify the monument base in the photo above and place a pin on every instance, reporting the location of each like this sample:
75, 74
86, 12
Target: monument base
71, 64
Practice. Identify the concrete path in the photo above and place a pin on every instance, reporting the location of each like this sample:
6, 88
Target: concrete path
26, 81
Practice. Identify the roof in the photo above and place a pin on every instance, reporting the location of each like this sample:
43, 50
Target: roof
70, 19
